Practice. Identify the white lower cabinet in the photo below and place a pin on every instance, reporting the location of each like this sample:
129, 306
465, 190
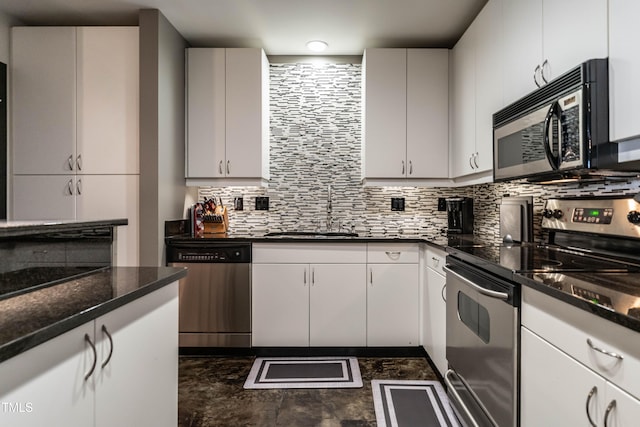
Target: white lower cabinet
134, 381
557, 390
392, 304
308, 305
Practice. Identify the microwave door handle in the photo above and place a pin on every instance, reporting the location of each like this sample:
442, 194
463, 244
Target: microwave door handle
554, 160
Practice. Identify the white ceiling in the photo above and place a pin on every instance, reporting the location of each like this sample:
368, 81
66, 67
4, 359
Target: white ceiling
281, 27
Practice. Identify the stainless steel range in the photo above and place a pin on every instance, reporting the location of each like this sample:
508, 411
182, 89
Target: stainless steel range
592, 254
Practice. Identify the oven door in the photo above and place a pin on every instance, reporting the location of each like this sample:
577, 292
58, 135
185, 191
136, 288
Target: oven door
540, 142
482, 346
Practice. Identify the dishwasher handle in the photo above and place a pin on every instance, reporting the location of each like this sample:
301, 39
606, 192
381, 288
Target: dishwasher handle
484, 291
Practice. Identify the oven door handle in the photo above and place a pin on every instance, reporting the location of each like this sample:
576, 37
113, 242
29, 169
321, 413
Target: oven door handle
460, 401
487, 292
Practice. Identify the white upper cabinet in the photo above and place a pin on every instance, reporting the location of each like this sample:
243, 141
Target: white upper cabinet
541, 42
476, 95
405, 114
227, 116
624, 69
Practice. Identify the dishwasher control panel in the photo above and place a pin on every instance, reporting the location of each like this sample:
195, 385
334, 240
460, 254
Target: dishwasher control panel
209, 253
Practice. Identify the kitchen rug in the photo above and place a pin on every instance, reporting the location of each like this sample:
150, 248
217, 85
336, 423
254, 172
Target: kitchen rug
405, 403
304, 372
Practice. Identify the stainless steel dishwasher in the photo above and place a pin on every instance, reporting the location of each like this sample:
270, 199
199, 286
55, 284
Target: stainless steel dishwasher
215, 297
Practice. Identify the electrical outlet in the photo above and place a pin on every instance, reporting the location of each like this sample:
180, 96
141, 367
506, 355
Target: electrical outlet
442, 204
262, 203
397, 203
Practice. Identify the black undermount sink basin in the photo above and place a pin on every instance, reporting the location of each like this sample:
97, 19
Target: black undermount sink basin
310, 234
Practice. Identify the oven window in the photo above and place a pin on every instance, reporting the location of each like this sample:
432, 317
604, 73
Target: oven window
474, 316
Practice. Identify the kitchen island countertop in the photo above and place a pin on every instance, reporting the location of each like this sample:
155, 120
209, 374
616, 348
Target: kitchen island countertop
27, 228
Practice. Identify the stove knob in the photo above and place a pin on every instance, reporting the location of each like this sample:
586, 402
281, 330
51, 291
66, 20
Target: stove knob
557, 213
547, 213
634, 217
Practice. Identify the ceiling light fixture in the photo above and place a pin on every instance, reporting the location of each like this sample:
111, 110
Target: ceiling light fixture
317, 45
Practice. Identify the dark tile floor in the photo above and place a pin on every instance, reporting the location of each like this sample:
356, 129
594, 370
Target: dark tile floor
210, 393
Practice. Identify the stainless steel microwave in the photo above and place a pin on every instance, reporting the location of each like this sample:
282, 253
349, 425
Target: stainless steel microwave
560, 130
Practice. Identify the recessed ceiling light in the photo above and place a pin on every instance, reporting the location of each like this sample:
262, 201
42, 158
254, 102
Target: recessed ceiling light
317, 45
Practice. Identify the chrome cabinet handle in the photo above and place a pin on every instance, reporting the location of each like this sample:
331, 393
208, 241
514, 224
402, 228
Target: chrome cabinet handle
313, 276
70, 161
95, 357
593, 391
305, 276
79, 187
475, 160
228, 167
403, 167
535, 75
220, 167
470, 162
488, 292
456, 396
394, 255
371, 276
70, 187
610, 408
436, 261
79, 162
600, 350
104, 331
410, 167
442, 294
544, 64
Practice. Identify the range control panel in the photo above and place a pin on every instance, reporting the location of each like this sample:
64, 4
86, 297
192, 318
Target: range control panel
614, 216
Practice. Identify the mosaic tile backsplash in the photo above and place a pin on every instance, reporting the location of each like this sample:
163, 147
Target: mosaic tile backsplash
315, 143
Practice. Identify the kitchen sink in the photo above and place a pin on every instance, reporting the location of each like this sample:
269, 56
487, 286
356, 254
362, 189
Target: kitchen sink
310, 234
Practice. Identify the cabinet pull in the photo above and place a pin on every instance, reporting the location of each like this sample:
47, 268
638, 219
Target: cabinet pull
313, 276
436, 261
544, 64
79, 162
220, 167
70, 161
600, 350
535, 75
410, 167
105, 332
79, 187
305, 276
442, 294
475, 160
470, 162
228, 167
593, 391
371, 276
70, 187
394, 255
95, 357
403, 167
610, 408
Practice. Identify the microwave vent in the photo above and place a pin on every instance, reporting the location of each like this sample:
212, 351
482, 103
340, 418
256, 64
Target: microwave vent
556, 88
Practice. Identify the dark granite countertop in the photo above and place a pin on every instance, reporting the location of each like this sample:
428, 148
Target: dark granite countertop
32, 318
27, 228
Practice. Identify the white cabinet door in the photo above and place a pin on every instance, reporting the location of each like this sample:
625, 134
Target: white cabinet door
45, 386
392, 305
435, 320
206, 113
625, 412
427, 113
112, 196
247, 104
384, 112
280, 305
555, 388
463, 131
624, 69
138, 384
37, 197
43, 95
564, 49
338, 305
107, 100
522, 46
488, 60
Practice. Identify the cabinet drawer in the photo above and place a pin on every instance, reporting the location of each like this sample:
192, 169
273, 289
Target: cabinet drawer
390, 253
568, 328
436, 259
309, 253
